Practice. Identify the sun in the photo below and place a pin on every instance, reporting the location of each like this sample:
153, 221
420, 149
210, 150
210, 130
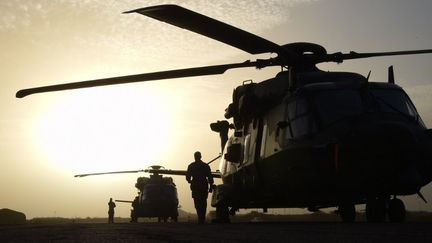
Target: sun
115, 128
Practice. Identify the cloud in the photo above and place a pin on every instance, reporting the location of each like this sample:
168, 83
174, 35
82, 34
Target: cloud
238, 11
255, 15
99, 25
219, 8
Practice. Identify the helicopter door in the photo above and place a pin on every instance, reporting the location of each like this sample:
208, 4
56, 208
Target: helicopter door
248, 170
270, 137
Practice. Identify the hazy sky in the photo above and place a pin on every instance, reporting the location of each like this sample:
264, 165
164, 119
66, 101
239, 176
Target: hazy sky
45, 139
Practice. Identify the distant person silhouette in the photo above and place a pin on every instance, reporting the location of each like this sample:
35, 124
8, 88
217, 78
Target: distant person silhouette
134, 214
111, 206
200, 177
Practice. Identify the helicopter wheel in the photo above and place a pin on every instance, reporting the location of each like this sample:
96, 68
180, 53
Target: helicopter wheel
222, 215
134, 218
347, 212
376, 210
396, 210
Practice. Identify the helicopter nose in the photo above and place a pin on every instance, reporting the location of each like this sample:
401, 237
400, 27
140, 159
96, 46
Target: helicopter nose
417, 160
388, 140
425, 165
383, 155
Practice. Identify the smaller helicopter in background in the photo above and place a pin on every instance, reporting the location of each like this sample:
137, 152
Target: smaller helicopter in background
157, 195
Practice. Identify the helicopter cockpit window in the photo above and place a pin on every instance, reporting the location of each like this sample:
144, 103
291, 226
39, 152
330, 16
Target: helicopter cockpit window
159, 192
395, 101
334, 105
300, 118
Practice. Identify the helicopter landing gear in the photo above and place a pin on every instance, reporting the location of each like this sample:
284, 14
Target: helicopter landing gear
222, 197
134, 218
347, 212
396, 210
174, 219
222, 215
376, 209
165, 219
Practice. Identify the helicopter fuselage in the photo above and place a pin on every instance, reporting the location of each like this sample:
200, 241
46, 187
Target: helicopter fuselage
157, 197
334, 137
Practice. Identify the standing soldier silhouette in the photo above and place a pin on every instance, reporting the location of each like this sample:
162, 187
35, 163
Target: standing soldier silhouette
111, 206
200, 177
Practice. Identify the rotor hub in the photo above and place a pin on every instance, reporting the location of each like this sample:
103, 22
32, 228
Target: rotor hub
302, 48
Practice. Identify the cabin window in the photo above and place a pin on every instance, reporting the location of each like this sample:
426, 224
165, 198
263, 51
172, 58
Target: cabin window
223, 163
263, 141
300, 119
395, 101
247, 144
334, 105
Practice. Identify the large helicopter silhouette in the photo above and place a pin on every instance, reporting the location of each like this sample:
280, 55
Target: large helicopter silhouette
305, 138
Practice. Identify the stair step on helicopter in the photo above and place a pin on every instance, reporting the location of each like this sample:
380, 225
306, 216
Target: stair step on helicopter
305, 138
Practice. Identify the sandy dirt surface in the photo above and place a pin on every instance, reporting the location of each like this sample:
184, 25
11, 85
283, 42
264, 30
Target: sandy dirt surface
236, 232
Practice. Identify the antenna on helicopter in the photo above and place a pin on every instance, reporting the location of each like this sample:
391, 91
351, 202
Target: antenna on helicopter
391, 75
421, 196
368, 76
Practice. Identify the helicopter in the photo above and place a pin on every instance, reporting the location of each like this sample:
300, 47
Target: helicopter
157, 195
305, 138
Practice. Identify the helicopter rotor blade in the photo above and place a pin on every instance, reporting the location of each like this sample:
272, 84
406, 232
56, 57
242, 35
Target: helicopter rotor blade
166, 171
112, 172
124, 201
215, 174
209, 27
340, 57
179, 73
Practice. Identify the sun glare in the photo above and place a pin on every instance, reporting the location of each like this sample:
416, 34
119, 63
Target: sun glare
107, 129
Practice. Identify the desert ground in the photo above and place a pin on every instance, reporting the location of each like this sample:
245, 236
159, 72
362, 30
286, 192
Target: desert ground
251, 227
235, 232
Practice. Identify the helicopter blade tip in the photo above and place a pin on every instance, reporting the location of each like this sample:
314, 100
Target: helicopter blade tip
20, 94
